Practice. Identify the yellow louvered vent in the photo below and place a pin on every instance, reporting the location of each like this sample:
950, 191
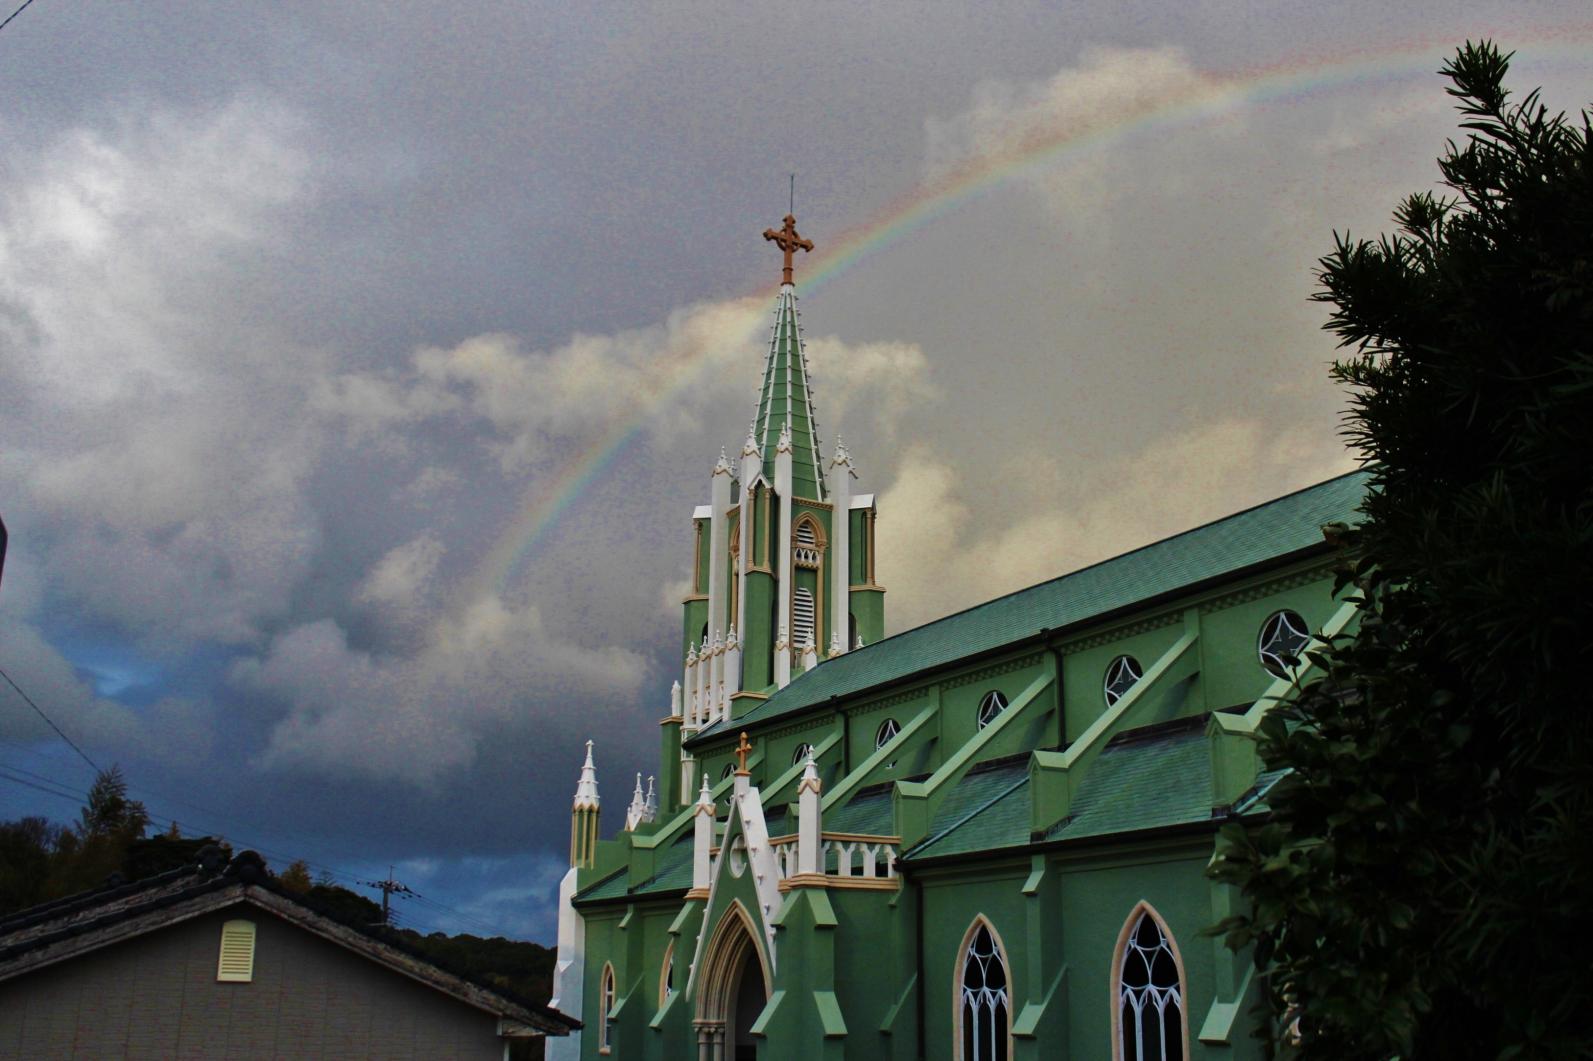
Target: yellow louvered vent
237, 953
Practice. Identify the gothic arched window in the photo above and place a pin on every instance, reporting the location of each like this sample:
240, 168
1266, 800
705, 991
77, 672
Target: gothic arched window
1283, 636
801, 754
1121, 674
984, 1000
807, 543
605, 1001
1149, 995
992, 705
666, 975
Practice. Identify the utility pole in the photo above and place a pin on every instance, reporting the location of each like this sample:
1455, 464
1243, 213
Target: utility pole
389, 887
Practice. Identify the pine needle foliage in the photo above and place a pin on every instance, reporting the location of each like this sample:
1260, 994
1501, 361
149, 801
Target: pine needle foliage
1422, 889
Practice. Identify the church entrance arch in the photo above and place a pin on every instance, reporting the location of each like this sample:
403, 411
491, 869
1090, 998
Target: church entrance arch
734, 986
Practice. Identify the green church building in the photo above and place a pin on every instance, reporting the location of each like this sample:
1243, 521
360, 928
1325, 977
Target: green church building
981, 839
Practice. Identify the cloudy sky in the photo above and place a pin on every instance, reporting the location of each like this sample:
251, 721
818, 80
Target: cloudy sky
361, 363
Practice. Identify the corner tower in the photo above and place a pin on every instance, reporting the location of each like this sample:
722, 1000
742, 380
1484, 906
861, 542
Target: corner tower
783, 575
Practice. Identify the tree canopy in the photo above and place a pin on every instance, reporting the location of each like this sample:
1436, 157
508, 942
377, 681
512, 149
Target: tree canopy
1421, 890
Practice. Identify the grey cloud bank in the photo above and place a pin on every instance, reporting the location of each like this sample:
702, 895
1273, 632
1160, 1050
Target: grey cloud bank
300, 308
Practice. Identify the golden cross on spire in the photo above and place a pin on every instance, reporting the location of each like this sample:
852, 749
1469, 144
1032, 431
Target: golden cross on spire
788, 240
743, 750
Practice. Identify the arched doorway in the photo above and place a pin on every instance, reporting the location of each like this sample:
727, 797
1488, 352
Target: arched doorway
734, 987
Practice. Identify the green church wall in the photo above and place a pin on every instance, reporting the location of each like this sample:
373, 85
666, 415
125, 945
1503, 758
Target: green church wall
1084, 670
757, 660
863, 973
868, 608
961, 694
694, 616
1233, 673
857, 547
951, 901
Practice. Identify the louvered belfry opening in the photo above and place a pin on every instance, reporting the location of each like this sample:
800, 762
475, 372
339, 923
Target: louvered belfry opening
236, 965
803, 617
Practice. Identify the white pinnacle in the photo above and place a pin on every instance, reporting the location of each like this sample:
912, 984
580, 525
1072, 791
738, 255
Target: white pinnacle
586, 797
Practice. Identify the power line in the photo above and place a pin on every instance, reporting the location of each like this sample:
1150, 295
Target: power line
15, 13
7, 677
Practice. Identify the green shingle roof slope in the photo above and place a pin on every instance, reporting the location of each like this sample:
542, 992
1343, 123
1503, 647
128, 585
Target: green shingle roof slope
1276, 528
1144, 779
867, 812
988, 809
674, 874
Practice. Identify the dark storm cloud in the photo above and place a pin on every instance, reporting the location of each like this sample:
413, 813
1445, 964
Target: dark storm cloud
299, 303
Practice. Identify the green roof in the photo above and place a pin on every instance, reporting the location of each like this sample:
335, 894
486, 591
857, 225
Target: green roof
785, 399
988, 809
1275, 529
674, 874
1144, 779
869, 811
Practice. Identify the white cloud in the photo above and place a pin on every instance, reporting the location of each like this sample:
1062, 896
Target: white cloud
695, 366
1008, 122
880, 382
402, 578
156, 433
942, 548
420, 717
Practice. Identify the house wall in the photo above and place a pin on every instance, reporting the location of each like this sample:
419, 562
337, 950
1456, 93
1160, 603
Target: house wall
156, 996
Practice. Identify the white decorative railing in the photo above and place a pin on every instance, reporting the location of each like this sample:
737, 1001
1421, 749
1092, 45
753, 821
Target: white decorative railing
849, 859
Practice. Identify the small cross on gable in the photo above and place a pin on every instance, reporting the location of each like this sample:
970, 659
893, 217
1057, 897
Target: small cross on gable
743, 750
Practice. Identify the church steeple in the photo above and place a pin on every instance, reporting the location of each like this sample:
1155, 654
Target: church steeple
783, 575
785, 401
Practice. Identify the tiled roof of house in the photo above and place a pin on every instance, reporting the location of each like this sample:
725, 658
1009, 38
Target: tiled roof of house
61, 930
1279, 528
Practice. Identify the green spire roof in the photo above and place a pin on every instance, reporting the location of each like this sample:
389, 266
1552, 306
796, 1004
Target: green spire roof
786, 401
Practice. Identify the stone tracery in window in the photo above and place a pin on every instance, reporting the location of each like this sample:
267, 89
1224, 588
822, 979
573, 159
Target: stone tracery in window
984, 999
1121, 674
1283, 636
1150, 995
993, 704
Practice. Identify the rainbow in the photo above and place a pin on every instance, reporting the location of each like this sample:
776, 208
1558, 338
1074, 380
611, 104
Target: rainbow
1219, 94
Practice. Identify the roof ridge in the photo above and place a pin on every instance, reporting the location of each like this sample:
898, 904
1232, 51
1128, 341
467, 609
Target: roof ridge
1113, 559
